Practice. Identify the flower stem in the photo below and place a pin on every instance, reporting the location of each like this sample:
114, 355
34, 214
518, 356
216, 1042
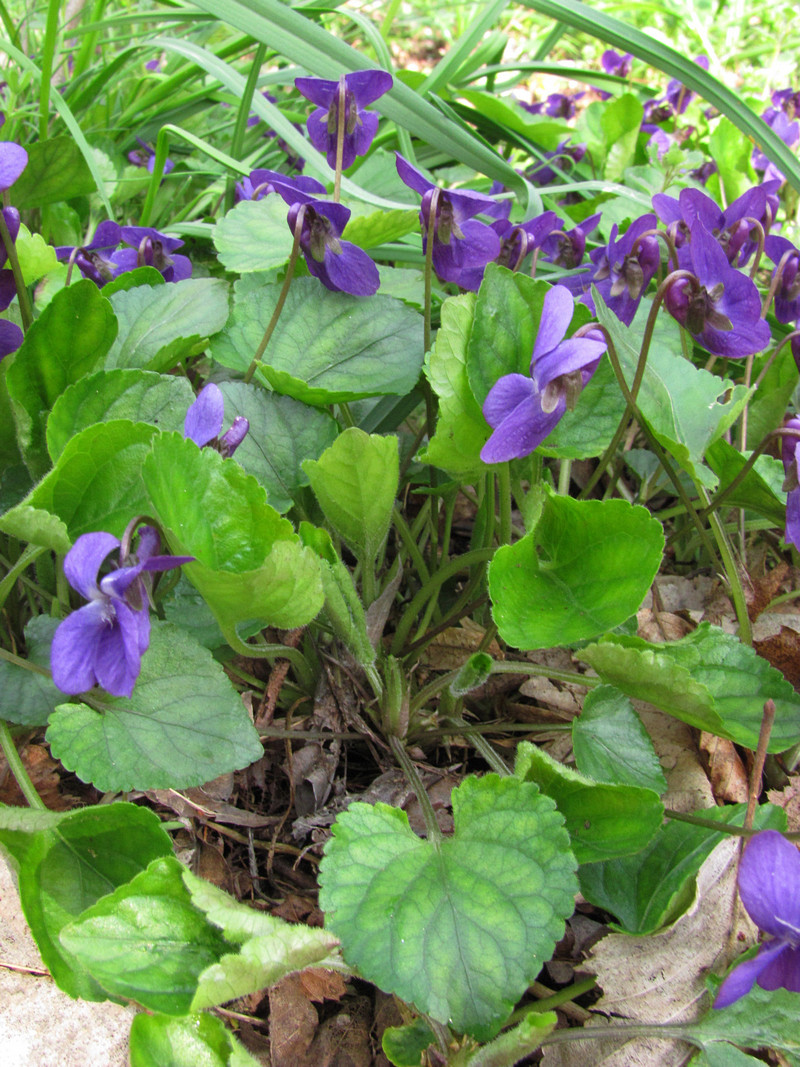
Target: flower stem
431, 234
340, 124
276, 314
25, 309
424, 801
504, 491
758, 763
731, 570
17, 768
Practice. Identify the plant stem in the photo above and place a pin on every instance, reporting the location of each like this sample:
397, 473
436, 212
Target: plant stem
411, 773
25, 309
17, 768
758, 763
482, 746
731, 571
431, 235
276, 314
273, 652
342, 109
504, 493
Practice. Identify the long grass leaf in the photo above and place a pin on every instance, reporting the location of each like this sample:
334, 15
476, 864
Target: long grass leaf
619, 34
452, 61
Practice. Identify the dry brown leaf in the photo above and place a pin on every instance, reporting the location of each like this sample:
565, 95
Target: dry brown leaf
451, 648
788, 799
661, 626
659, 978
293, 1022
319, 984
343, 1039
783, 652
43, 774
725, 769
688, 787
197, 804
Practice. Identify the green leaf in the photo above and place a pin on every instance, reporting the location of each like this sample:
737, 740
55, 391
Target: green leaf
621, 121
604, 821
146, 941
26, 697
732, 153
192, 1041
249, 564
36, 257
283, 432
132, 279
56, 171
67, 862
184, 606
254, 236
404, 1045
472, 674
680, 402
517, 1042
767, 408
584, 569
656, 886
757, 491
184, 725
141, 396
67, 341
327, 347
458, 928
270, 947
708, 679
355, 481
461, 430
95, 485
761, 1019
163, 324
381, 227
612, 745
723, 1054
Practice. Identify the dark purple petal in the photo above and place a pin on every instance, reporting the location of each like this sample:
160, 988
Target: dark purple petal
116, 584
571, 355
368, 85
83, 561
13, 161
8, 288
231, 440
782, 971
557, 312
319, 91
11, 337
743, 977
412, 177
134, 235
524, 427
505, 396
455, 261
118, 654
204, 418
350, 271
75, 645
148, 543
769, 884
317, 127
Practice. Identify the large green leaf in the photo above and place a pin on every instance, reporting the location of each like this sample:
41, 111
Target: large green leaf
250, 566
355, 482
67, 862
708, 679
461, 430
653, 888
95, 485
283, 432
141, 396
584, 569
761, 1019
56, 171
67, 341
612, 745
759, 491
199, 1040
146, 941
459, 928
619, 34
254, 236
327, 347
604, 821
163, 324
184, 725
269, 948
27, 697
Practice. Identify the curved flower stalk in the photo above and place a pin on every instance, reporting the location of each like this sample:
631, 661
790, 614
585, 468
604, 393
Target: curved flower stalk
522, 411
347, 97
102, 643
769, 885
462, 246
718, 305
204, 419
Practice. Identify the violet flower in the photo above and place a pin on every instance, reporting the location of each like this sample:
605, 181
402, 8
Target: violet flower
791, 484
13, 161
719, 306
261, 182
567, 248
359, 88
677, 93
613, 63
145, 156
787, 295
622, 269
789, 133
11, 337
462, 246
204, 419
769, 885
565, 155
517, 241
97, 259
557, 106
149, 248
522, 410
102, 643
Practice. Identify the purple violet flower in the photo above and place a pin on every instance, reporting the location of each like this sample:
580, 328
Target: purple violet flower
260, 183
146, 156
769, 885
789, 133
787, 295
102, 643
204, 419
677, 94
565, 155
557, 106
11, 337
791, 484
719, 306
149, 248
358, 89
522, 410
462, 246
96, 260
517, 240
13, 161
614, 63
567, 248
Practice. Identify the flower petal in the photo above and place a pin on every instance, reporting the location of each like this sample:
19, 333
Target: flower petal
13, 161
83, 561
557, 312
205, 416
524, 427
351, 271
412, 177
368, 85
769, 884
743, 977
73, 652
118, 657
572, 354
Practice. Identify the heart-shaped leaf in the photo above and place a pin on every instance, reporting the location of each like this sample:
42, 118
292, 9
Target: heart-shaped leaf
461, 927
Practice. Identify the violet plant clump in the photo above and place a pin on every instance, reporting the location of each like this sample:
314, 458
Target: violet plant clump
103, 642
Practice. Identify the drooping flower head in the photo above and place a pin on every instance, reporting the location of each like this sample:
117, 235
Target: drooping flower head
204, 419
149, 248
522, 410
517, 241
102, 643
677, 93
567, 248
340, 265
261, 182
791, 458
614, 63
787, 296
557, 106
718, 305
462, 246
97, 259
350, 94
769, 885
145, 155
